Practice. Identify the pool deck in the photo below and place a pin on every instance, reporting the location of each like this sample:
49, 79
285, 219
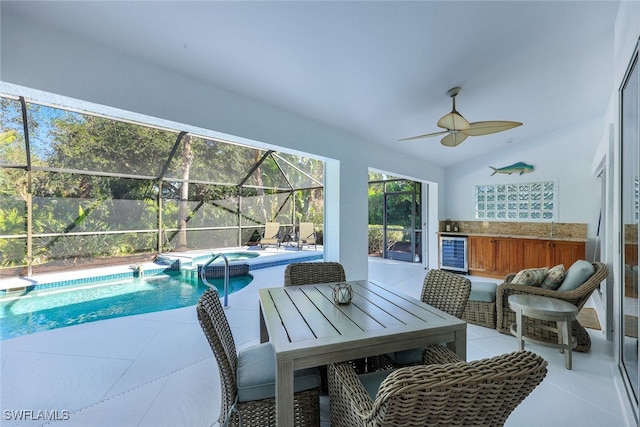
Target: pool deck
268, 257
157, 370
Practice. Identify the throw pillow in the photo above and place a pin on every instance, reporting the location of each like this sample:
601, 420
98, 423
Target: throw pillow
554, 278
530, 276
576, 275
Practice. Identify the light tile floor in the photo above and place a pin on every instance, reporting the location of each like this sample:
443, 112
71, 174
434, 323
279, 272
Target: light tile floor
157, 369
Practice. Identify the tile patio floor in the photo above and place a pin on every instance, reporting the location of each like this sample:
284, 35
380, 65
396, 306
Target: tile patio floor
157, 369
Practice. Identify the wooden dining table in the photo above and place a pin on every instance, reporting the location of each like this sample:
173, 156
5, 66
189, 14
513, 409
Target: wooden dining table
307, 328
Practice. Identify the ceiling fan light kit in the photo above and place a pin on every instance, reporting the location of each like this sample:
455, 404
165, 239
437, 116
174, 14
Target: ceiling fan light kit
458, 128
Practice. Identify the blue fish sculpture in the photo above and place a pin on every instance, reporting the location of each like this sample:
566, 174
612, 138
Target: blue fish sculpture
519, 167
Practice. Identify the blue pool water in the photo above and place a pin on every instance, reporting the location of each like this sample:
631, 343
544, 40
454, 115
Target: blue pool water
238, 256
41, 310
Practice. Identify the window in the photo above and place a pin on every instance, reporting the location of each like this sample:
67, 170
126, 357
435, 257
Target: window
78, 188
534, 201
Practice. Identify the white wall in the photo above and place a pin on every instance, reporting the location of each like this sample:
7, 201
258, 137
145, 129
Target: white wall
564, 157
46, 59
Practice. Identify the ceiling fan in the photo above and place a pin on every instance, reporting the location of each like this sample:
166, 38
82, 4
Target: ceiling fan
458, 128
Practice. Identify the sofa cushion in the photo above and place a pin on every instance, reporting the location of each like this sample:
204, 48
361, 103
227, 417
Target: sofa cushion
257, 374
576, 275
554, 278
530, 276
483, 291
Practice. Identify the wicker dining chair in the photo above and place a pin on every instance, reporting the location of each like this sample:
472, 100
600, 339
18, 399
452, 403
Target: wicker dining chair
483, 392
445, 291
248, 378
308, 273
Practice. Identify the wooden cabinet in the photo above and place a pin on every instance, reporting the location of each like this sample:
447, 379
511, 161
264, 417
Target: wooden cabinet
480, 254
565, 253
508, 255
535, 252
548, 253
493, 256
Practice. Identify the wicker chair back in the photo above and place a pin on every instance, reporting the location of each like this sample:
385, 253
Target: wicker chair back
446, 291
483, 392
307, 273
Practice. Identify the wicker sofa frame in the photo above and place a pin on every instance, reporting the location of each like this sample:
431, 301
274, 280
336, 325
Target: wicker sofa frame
482, 313
578, 297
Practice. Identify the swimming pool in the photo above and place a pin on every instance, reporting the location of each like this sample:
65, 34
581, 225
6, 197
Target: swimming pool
234, 256
40, 310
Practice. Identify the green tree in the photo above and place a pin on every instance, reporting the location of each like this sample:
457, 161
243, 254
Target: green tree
183, 214
96, 174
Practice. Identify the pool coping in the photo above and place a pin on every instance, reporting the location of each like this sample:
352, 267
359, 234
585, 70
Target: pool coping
170, 261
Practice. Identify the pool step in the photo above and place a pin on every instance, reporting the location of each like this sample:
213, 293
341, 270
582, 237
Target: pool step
173, 263
190, 273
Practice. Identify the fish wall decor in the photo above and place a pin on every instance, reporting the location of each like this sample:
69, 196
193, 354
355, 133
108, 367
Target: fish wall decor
518, 168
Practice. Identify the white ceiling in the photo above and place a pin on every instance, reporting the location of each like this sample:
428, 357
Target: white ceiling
376, 69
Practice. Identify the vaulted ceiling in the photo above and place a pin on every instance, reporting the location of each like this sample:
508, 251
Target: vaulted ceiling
379, 70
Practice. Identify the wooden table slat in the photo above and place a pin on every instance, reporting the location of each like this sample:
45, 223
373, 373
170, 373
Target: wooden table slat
348, 318
292, 321
396, 306
315, 319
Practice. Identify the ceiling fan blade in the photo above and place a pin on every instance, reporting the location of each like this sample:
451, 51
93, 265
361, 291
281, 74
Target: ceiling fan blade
453, 121
486, 128
453, 139
426, 135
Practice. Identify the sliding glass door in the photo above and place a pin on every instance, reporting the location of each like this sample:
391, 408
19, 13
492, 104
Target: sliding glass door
395, 225
630, 171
